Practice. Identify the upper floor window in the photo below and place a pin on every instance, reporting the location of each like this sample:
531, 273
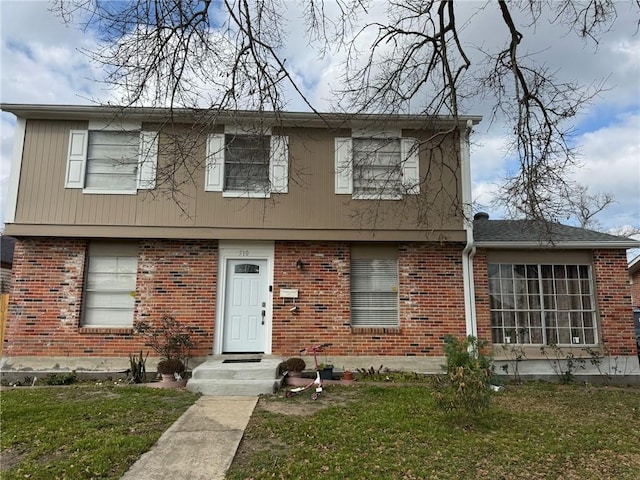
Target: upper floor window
377, 169
383, 166
247, 164
112, 161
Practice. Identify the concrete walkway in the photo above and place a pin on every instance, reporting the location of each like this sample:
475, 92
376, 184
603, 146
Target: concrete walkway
200, 445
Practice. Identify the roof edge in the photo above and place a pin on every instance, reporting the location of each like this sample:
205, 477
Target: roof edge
310, 119
619, 245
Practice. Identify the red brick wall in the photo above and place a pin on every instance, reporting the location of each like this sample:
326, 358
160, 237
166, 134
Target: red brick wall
45, 302
323, 296
174, 277
635, 289
430, 290
481, 286
614, 301
179, 278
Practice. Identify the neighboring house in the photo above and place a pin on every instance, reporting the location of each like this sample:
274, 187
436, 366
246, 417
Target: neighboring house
634, 280
294, 230
6, 260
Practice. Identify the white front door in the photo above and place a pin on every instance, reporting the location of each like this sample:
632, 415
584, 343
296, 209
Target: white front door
245, 306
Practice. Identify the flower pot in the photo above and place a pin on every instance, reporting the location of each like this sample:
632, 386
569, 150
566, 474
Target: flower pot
326, 373
347, 375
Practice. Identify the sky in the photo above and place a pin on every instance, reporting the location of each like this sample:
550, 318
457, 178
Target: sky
40, 63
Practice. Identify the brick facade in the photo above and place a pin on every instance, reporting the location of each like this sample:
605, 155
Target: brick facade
179, 277
431, 297
614, 302
174, 277
481, 287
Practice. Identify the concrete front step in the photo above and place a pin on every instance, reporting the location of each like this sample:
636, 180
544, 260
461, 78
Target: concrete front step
213, 377
237, 388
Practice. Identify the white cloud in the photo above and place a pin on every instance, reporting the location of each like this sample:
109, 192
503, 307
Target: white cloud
611, 163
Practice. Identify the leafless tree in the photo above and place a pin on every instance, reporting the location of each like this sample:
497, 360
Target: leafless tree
228, 55
585, 206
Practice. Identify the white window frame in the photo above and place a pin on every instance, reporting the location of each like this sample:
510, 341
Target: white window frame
77, 157
278, 164
409, 162
363, 266
113, 252
519, 296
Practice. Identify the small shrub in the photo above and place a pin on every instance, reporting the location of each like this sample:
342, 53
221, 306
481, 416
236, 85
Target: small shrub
464, 387
170, 366
169, 338
293, 364
564, 364
137, 366
61, 378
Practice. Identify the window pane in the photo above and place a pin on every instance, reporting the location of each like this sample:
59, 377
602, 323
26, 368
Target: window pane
374, 292
246, 163
377, 166
109, 284
112, 160
527, 300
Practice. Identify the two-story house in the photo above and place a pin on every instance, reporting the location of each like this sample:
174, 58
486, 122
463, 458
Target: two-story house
267, 233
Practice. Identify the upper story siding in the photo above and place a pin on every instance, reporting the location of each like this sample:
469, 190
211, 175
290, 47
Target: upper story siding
310, 210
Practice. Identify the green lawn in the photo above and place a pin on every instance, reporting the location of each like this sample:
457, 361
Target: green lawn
81, 431
533, 431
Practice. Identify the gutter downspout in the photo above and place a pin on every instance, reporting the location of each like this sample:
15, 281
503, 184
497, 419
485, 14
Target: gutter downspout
469, 250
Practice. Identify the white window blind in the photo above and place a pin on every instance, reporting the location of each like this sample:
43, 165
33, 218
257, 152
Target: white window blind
110, 284
253, 165
377, 167
112, 160
374, 292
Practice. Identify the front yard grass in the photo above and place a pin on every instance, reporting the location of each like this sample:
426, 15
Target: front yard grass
82, 431
532, 431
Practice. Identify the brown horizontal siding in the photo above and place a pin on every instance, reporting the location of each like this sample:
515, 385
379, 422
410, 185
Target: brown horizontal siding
309, 206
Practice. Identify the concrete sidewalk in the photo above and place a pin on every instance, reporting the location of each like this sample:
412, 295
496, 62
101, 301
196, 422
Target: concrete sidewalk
200, 445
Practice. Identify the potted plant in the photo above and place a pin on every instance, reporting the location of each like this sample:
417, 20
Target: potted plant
293, 366
172, 342
326, 371
171, 369
347, 375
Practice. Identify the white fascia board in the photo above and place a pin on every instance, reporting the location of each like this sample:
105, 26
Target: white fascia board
560, 245
16, 167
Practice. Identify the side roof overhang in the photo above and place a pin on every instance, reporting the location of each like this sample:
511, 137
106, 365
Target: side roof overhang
188, 115
535, 234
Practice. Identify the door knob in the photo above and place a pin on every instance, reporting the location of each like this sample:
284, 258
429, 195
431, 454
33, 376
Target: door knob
263, 314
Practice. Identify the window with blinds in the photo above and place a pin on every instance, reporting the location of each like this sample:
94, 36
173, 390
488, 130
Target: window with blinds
374, 287
246, 164
112, 160
376, 167
110, 284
